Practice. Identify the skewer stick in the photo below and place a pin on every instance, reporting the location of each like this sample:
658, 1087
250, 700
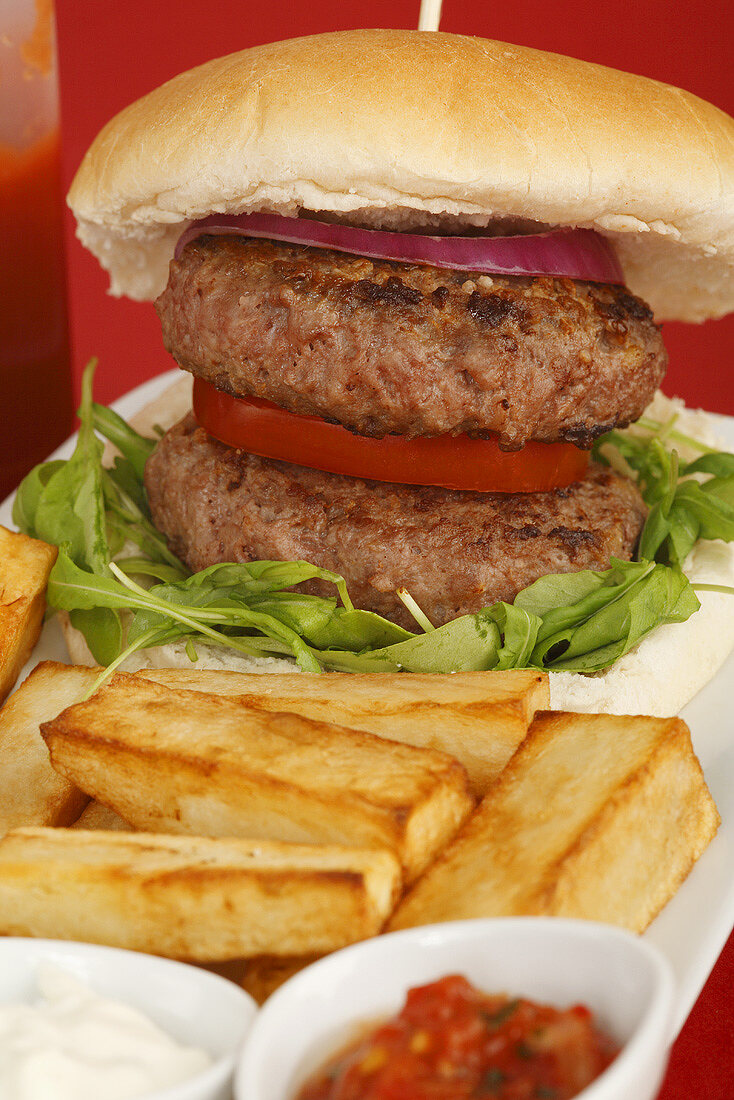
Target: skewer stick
430, 15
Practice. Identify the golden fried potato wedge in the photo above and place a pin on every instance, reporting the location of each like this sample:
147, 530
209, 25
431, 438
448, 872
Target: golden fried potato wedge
188, 762
25, 564
263, 975
477, 717
31, 792
96, 816
192, 898
596, 816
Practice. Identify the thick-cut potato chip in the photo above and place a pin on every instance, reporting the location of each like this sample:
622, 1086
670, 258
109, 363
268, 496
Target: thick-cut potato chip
597, 816
96, 816
477, 717
31, 791
24, 568
187, 762
192, 898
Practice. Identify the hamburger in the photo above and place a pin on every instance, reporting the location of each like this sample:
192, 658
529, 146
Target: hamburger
415, 276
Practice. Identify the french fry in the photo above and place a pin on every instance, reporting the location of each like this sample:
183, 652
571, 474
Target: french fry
596, 816
477, 717
192, 898
263, 975
31, 792
25, 564
97, 816
187, 762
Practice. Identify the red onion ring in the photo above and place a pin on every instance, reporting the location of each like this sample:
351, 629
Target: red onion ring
573, 253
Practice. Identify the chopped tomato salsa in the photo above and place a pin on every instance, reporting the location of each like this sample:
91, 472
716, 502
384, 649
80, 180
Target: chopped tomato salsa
452, 1042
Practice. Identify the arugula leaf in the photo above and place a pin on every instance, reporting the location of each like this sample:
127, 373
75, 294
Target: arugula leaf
73, 589
469, 643
63, 504
135, 448
144, 567
129, 523
70, 511
518, 629
719, 464
660, 595
327, 626
29, 494
589, 619
563, 600
683, 509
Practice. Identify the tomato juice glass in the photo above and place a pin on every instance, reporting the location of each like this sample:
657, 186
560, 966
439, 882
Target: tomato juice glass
36, 411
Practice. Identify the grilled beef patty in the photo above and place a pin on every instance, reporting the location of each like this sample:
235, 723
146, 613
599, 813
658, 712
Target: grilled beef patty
386, 347
455, 552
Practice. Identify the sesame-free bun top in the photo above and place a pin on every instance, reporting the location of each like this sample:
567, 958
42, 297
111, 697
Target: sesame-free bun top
410, 129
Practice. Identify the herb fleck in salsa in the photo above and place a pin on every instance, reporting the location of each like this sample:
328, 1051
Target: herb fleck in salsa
452, 1042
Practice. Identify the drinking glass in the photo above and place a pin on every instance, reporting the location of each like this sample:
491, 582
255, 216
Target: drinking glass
35, 374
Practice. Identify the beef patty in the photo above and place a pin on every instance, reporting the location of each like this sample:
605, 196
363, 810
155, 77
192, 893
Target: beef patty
384, 347
455, 552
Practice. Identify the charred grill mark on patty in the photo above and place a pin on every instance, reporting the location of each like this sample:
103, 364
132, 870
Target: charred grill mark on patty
625, 307
574, 537
383, 347
492, 310
393, 292
584, 436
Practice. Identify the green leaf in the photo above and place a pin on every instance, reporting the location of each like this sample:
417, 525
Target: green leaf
662, 595
73, 589
632, 449
660, 494
714, 514
144, 567
563, 600
28, 496
682, 509
719, 464
720, 487
135, 448
519, 630
696, 512
326, 626
102, 631
69, 512
683, 532
469, 643
276, 575
122, 475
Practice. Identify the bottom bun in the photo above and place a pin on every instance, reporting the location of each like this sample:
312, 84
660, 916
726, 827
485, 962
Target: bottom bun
658, 677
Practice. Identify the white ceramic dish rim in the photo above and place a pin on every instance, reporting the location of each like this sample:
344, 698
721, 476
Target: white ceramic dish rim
695, 925
652, 1033
209, 1081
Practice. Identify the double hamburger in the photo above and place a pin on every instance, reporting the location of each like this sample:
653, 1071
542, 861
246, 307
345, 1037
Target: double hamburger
415, 276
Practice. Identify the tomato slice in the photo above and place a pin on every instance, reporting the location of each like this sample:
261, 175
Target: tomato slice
454, 462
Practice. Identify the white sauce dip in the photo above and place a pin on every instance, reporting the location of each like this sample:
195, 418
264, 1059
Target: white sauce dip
76, 1045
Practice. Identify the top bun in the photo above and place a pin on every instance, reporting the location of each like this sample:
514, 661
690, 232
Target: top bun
409, 129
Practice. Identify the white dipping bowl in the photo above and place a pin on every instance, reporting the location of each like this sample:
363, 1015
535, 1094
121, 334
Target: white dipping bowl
626, 983
193, 1006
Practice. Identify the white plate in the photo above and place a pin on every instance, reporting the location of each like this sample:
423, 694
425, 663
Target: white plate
694, 927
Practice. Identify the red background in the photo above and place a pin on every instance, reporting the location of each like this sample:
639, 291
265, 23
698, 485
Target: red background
113, 52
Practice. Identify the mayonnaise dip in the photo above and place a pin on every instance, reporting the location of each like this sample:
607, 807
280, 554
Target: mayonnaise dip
76, 1045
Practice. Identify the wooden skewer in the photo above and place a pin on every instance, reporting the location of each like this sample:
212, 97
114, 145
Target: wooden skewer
430, 15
